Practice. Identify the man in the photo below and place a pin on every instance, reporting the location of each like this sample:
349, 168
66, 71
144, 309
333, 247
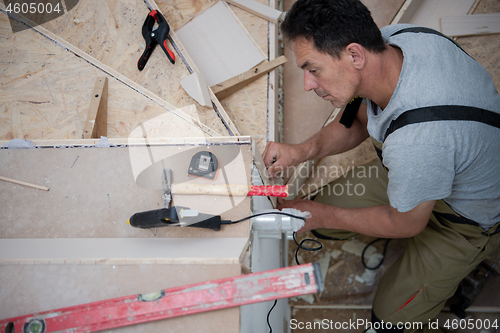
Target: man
442, 189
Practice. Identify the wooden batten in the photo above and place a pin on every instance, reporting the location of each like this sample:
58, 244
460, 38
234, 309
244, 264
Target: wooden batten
228, 87
470, 25
97, 118
254, 7
428, 13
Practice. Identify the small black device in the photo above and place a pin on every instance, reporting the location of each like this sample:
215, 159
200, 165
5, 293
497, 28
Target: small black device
204, 164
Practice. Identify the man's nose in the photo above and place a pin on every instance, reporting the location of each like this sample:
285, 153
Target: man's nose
309, 83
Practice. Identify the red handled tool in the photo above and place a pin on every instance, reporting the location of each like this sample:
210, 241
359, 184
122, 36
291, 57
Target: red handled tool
154, 37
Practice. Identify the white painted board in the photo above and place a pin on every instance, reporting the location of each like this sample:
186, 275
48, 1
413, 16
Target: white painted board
219, 45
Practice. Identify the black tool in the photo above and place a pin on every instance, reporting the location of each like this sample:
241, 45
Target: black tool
204, 164
175, 216
154, 37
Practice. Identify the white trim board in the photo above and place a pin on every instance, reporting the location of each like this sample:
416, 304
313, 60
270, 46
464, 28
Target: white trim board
122, 251
468, 25
218, 44
258, 9
428, 13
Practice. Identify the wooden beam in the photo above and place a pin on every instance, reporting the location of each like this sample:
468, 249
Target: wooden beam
228, 87
258, 9
469, 25
178, 141
97, 118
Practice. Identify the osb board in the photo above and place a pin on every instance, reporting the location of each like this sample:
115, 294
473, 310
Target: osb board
46, 93
93, 191
31, 289
111, 32
485, 48
248, 106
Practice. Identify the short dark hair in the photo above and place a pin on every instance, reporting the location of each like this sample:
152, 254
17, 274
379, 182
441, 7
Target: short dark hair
332, 25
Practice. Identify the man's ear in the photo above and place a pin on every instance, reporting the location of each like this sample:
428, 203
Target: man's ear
357, 54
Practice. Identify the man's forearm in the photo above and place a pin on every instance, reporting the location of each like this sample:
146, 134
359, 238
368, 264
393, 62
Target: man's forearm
377, 221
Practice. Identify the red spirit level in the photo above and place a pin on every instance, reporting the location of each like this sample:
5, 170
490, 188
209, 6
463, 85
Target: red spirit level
173, 302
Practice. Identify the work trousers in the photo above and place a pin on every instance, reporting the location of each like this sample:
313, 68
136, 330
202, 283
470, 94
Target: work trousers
416, 287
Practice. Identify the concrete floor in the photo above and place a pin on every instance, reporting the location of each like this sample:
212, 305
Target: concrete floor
345, 298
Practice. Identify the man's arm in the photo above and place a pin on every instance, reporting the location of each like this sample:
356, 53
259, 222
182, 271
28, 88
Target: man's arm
332, 139
378, 221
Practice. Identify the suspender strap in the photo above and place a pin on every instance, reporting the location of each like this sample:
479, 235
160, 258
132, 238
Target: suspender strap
350, 112
444, 112
428, 31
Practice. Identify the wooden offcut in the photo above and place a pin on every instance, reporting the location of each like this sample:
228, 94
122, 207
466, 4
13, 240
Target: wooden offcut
428, 13
228, 87
258, 9
20, 182
469, 25
97, 118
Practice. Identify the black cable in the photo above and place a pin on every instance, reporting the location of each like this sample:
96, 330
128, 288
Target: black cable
269, 313
299, 246
264, 213
269, 213
383, 254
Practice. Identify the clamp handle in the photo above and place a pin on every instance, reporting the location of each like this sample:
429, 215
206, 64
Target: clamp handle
154, 37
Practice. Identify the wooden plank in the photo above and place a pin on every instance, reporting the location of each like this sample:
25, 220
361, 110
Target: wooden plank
407, 11
469, 25
230, 86
122, 251
97, 118
174, 141
258, 9
218, 44
428, 13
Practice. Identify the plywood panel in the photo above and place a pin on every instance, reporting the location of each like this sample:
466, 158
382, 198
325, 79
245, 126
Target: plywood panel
46, 93
93, 191
110, 31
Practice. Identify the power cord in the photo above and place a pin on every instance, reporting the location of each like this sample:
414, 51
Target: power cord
300, 246
260, 214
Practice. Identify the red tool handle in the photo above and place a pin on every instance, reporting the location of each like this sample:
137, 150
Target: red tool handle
280, 191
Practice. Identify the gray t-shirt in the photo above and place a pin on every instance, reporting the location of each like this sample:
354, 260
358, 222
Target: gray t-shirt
458, 161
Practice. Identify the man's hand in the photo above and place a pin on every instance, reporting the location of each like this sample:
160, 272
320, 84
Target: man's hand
279, 156
316, 210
